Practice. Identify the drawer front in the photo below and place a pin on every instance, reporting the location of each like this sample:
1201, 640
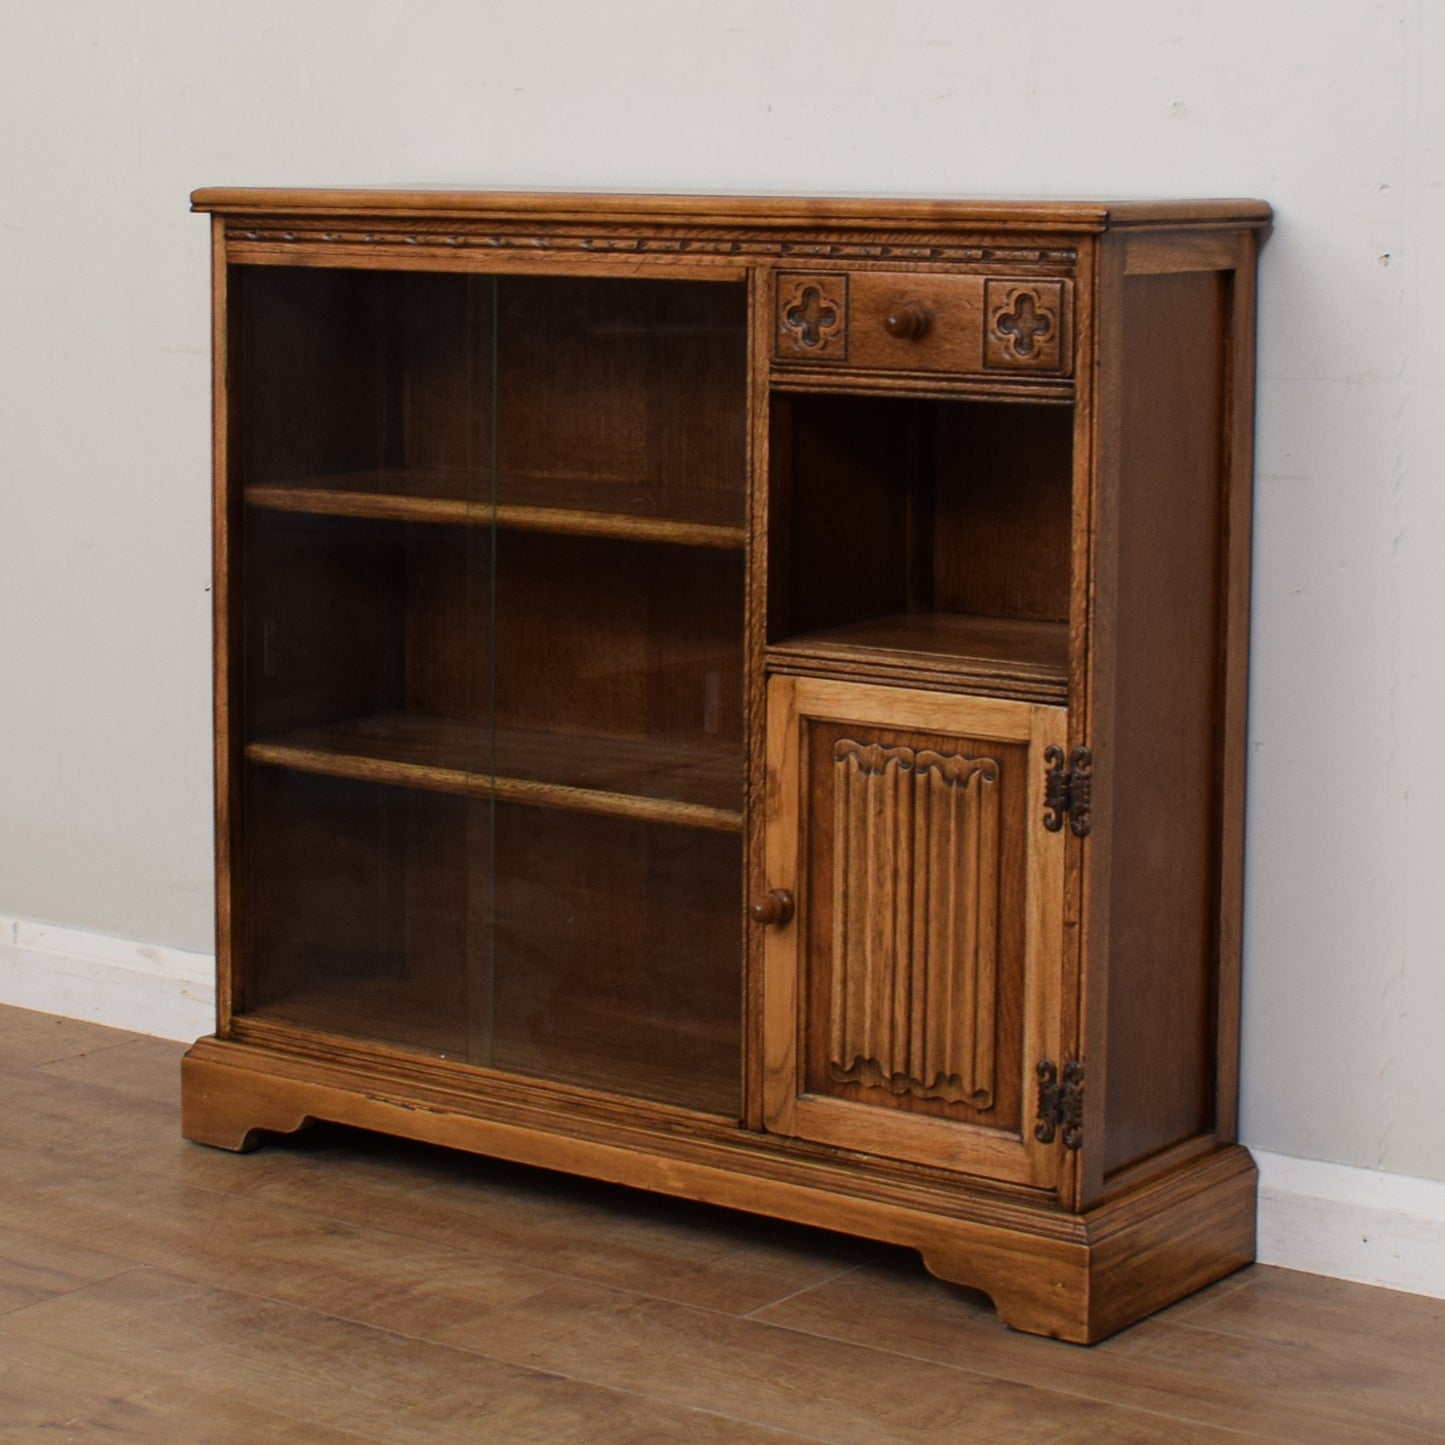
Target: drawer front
894, 321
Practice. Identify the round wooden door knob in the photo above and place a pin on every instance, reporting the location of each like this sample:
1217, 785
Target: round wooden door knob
908, 322
774, 910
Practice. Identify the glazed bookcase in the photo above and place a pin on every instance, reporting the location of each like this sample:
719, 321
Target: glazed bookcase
745, 698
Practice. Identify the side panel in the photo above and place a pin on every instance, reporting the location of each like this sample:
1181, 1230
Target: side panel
1166, 692
225, 526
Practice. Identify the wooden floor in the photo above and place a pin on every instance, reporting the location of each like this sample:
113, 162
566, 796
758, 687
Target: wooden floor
361, 1289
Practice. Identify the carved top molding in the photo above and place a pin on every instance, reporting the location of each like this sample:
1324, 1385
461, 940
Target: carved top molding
630, 241
731, 214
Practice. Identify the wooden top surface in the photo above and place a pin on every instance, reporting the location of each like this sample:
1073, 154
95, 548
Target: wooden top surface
783, 212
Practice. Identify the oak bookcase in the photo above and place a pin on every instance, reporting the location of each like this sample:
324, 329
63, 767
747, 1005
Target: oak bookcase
745, 698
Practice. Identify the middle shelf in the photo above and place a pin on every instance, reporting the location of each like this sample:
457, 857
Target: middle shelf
661, 782
576, 506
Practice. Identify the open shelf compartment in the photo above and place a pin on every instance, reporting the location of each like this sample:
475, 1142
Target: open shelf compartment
922, 538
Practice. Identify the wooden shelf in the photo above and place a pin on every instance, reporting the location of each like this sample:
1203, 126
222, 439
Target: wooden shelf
987, 654
686, 786
672, 1062
576, 506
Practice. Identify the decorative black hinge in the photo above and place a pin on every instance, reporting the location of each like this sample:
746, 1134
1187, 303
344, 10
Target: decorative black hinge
1061, 1103
1067, 792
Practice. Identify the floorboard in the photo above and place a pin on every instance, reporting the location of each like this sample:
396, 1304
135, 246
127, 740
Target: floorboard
345, 1287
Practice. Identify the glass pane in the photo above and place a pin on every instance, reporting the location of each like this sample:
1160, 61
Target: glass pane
621, 485
617, 955
491, 669
622, 406
363, 439
361, 907
357, 385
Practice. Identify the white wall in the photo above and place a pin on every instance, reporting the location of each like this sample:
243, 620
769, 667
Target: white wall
112, 110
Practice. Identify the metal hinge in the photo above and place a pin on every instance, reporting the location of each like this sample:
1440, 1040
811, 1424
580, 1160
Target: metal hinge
1067, 792
1061, 1103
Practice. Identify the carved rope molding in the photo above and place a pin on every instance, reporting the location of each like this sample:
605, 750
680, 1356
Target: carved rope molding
639, 241
914, 970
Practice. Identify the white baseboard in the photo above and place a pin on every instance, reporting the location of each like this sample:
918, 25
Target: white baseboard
1357, 1224
1331, 1219
148, 989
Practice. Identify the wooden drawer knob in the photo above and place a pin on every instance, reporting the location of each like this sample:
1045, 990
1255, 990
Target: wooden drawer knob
908, 322
774, 910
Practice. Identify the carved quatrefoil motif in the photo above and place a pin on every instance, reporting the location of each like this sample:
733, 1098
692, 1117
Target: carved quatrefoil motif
1025, 323
813, 317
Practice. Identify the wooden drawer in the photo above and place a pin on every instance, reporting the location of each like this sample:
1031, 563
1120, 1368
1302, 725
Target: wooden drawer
895, 321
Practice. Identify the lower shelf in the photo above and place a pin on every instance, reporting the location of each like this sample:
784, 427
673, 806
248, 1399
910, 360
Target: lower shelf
657, 782
1077, 1277
696, 1068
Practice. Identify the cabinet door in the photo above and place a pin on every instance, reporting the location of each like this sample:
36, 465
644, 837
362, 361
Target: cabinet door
919, 980
487, 667
613, 960
359, 439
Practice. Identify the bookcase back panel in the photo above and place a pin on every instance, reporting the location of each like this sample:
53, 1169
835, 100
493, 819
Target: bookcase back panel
620, 638
625, 386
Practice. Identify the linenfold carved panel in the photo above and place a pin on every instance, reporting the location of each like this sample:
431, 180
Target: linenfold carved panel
915, 930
